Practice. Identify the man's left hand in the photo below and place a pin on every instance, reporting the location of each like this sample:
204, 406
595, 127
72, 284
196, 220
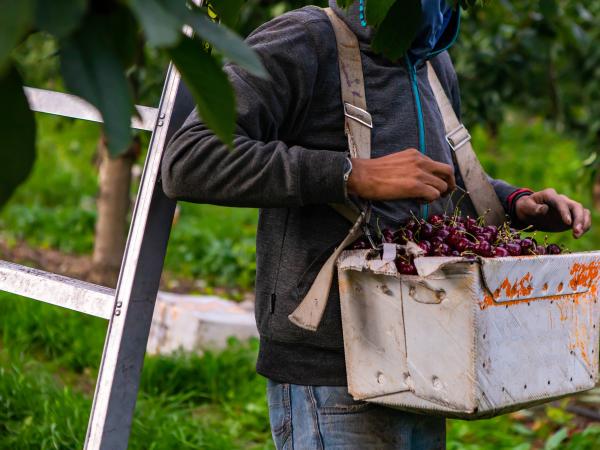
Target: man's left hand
549, 211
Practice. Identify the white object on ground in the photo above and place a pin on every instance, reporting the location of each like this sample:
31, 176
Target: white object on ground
195, 323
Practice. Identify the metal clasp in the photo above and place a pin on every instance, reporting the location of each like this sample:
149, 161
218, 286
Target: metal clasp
358, 114
458, 137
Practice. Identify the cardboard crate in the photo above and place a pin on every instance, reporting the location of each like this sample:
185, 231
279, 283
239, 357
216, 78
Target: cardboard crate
470, 339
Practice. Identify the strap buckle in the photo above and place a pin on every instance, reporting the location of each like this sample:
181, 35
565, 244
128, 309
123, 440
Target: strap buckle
358, 114
458, 137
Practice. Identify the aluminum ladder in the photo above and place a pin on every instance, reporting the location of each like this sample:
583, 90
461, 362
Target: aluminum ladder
129, 308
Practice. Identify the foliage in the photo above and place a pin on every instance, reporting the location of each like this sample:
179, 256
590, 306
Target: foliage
94, 61
540, 59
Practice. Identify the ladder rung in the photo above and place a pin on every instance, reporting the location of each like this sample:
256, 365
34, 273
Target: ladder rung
67, 105
57, 290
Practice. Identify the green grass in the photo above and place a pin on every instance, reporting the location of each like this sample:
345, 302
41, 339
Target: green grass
49, 359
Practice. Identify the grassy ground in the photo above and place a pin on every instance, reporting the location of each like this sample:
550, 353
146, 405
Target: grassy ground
49, 356
49, 359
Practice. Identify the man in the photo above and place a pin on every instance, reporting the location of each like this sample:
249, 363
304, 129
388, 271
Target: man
290, 160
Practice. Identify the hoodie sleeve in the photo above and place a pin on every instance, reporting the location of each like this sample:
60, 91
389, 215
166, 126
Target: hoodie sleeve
262, 170
507, 193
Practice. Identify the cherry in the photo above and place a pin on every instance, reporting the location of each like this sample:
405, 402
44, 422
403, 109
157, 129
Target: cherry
441, 250
426, 231
436, 241
526, 244
553, 249
443, 234
360, 244
483, 248
437, 219
500, 252
388, 235
454, 253
540, 250
426, 246
470, 223
406, 268
463, 244
492, 229
514, 249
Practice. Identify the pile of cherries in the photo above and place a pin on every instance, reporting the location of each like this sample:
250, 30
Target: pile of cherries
443, 235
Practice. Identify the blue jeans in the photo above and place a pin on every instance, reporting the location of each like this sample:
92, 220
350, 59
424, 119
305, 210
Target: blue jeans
328, 418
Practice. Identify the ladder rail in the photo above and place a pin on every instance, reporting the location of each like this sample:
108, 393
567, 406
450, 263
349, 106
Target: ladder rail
68, 105
57, 290
125, 345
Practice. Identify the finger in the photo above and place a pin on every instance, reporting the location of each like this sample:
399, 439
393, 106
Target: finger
442, 170
578, 214
587, 223
429, 193
436, 182
531, 208
561, 204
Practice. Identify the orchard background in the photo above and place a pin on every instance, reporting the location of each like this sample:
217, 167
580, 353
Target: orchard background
530, 79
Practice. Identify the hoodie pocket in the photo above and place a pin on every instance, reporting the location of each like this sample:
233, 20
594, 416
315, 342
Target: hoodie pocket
308, 277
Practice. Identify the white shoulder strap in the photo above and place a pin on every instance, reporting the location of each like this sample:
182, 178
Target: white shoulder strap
357, 126
482, 193
358, 122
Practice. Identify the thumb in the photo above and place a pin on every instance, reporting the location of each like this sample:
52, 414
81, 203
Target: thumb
541, 210
529, 207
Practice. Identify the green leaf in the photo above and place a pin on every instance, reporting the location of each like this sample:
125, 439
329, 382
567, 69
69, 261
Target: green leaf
161, 20
59, 17
209, 86
16, 18
92, 69
17, 128
548, 8
393, 40
228, 11
229, 44
556, 439
377, 11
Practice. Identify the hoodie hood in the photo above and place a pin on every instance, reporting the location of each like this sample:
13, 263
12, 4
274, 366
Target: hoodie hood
351, 17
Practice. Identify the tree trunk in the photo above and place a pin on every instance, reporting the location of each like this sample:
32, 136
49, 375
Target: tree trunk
113, 206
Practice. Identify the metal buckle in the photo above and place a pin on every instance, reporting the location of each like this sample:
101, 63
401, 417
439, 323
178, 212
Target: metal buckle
458, 137
358, 114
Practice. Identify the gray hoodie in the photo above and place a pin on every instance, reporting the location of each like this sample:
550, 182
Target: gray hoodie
289, 160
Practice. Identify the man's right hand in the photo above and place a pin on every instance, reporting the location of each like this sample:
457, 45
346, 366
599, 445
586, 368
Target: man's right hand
403, 175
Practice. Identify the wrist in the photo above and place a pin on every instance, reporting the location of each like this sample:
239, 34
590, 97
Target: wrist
514, 200
355, 177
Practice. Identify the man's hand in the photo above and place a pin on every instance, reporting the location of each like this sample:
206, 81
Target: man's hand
549, 211
402, 175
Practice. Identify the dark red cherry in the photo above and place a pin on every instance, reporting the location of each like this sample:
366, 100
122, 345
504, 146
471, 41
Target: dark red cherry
553, 249
425, 246
526, 245
500, 252
483, 248
441, 250
437, 219
406, 268
514, 249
